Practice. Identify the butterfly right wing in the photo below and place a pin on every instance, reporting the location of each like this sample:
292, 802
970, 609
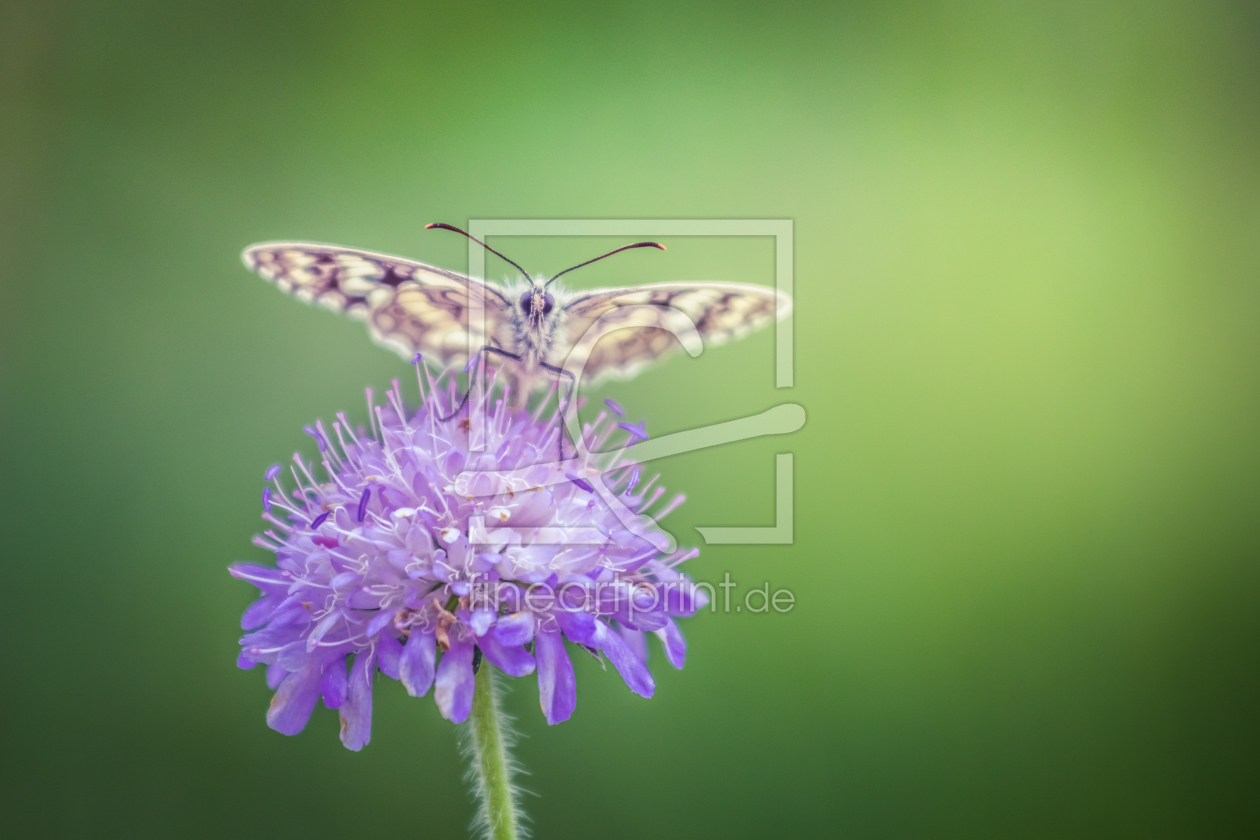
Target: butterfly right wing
646, 323
409, 307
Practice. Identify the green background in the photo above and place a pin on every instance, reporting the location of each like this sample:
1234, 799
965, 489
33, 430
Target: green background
1027, 243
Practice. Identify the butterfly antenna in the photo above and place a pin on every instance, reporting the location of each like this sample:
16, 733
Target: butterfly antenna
445, 226
609, 254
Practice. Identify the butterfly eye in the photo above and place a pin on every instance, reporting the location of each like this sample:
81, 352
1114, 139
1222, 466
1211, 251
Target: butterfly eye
527, 302
549, 303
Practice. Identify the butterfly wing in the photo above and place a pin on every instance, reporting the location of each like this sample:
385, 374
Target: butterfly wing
721, 312
409, 307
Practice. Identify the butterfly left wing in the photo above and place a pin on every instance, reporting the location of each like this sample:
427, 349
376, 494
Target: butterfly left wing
409, 307
721, 312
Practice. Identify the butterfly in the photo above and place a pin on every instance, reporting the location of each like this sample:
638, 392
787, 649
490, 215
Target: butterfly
413, 308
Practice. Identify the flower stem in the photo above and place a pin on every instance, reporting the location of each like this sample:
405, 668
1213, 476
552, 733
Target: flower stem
492, 766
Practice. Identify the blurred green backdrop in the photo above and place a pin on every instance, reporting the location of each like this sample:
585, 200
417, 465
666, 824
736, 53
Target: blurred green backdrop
1027, 243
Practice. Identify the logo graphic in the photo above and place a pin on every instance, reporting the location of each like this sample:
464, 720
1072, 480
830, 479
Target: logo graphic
590, 466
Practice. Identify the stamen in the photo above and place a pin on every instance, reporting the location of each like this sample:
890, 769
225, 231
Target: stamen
267, 499
319, 520
669, 508
363, 502
580, 482
656, 494
429, 381
275, 502
634, 480
336, 477
307, 473
300, 492
341, 415
547, 399
337, 429
603, 433
319, 438
319, 426
389, 456
395, 399
638, 432
418, 360
615, 407
682, 558
272, 472
371, 412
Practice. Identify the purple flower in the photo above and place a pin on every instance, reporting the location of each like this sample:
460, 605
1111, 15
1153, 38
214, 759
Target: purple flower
414, 552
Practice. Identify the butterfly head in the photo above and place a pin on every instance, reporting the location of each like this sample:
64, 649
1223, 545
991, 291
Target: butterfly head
536, 303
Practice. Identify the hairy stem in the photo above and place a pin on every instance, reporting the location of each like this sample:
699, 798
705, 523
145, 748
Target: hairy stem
492, 766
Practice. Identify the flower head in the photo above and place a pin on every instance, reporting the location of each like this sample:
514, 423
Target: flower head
431, 544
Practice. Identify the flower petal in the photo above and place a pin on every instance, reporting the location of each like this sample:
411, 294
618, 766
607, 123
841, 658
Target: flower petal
388, 654
673, 642
578, 626
257, 613
513, 661
293, 656
482, 618
276, 674
557, 691
453, 688
380, 621
333, 683
635, 640
415, 666
515, 629
325, 624
629, 665
293, 703
356, 714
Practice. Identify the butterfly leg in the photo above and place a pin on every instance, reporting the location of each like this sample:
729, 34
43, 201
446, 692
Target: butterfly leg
486, 349
564, 405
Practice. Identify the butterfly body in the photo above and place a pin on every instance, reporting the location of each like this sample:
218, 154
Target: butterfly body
535, 326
